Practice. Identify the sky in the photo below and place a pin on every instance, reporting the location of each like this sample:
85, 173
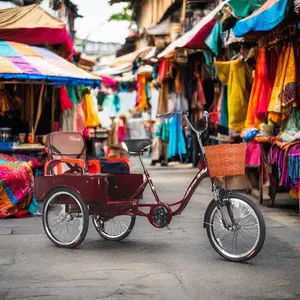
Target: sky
94, 23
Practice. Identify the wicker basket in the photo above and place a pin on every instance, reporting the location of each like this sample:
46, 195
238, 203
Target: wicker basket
226, 160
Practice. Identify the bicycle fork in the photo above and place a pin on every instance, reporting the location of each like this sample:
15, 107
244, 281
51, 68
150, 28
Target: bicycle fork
221, 204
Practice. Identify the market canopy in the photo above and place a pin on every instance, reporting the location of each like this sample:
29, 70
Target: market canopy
195, 38
124, 63
131, 57
20, 62
162, 28
34, 26
266, 18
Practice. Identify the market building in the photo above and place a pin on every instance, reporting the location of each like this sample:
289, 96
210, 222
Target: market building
218, 57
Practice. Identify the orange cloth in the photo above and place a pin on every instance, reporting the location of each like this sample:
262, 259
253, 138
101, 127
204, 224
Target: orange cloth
142, 103
252, 121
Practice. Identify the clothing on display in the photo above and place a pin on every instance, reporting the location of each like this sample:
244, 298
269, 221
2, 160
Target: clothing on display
237, 75
154, 103
91, 118
177, 144
284, 90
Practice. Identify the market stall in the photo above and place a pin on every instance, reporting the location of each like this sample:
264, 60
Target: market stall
40, 92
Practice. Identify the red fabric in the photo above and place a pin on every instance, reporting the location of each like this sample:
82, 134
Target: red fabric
65, 101
38, 36
163, 70
269, 69
198, 40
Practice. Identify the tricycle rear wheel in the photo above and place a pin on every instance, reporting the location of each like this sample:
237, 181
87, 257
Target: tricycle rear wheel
114, 228
70, 216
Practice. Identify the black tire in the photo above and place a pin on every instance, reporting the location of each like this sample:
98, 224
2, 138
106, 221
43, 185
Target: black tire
209, 214
85, 215
111, 237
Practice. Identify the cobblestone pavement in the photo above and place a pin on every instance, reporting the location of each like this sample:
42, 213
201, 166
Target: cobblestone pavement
151, 263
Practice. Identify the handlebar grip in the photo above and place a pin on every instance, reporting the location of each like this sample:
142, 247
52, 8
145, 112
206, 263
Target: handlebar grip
168, 115
171, 114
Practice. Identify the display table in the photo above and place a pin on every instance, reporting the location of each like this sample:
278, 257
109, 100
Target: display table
274, 158
31, 149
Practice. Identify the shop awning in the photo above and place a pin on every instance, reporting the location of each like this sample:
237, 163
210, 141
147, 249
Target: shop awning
124, 64
131, 57
114, 71
266, 18
195, 38
34, 26
20, 62
162, 28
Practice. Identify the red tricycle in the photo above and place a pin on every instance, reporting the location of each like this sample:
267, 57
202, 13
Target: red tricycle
73, 189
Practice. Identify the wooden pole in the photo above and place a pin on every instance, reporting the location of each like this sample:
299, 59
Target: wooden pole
39, 110
53, 108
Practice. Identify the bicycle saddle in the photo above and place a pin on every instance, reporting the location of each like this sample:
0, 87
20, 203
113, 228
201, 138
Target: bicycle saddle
137, 145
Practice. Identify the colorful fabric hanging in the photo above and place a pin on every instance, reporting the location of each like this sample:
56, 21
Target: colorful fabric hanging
176, 144
142, 102
224, 108
163, 70
65, 101
267, 17
284, 90
91, 118
256, 91
269, 75
237, 75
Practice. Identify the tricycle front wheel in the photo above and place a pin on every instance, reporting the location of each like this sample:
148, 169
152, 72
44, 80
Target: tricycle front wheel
114, 228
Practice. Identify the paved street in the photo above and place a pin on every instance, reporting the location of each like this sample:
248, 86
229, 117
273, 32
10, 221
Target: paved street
150, 263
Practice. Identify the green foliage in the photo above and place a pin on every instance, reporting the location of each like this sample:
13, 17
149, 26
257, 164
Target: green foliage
124, 15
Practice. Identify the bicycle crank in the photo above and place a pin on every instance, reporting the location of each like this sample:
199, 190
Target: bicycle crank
160, 215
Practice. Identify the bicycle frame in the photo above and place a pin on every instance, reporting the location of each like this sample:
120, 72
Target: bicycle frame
131, 207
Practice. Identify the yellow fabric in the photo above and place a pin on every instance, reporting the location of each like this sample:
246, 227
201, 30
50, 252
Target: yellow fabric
237, 74
285, 75
91, 118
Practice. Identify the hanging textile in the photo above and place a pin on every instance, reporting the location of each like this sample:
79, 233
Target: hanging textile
163, 70
142, 102
237, 75
79, 118
267, 17
214, 40
68, 119
111, 105
154, 102
256, 91
176, 142
72, 95
269, 75
284, 90
223, 107
65, 101
243, 8
91, 118
163, 98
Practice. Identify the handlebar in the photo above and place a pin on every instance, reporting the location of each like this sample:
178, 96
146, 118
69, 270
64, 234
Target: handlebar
184, 114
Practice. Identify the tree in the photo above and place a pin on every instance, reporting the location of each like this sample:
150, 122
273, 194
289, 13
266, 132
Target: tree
124, 15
